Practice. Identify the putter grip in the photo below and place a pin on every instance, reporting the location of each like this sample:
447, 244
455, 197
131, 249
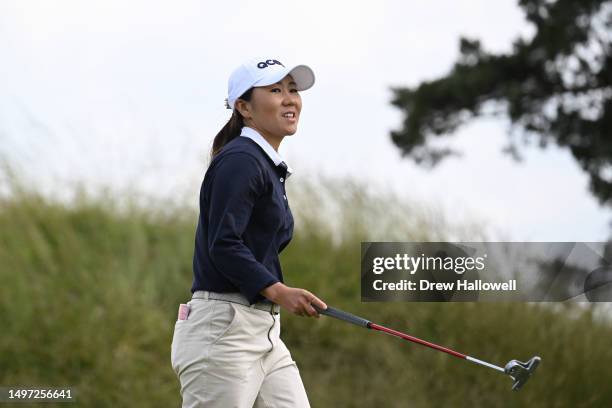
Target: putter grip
342, 315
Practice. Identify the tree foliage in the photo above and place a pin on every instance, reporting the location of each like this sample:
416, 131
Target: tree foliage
554, 87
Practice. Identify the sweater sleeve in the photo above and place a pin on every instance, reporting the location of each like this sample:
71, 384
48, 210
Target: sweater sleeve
237, 182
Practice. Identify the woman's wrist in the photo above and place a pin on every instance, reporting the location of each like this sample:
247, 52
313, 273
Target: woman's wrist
273, 292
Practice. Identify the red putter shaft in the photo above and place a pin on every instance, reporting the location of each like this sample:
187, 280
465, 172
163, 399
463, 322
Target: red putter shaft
413, 339
360, 321
518, 371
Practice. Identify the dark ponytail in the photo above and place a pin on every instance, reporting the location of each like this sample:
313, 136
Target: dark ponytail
232, 128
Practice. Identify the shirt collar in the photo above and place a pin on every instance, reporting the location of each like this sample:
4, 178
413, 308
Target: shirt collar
263, 143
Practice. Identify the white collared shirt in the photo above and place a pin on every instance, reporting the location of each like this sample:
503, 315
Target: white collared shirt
263, 143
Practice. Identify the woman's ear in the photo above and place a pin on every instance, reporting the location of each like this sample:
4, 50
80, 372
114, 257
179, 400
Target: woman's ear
244, 108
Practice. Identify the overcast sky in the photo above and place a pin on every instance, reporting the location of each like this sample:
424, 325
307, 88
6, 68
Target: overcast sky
130, 93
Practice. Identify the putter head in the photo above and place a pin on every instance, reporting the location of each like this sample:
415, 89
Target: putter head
520, 372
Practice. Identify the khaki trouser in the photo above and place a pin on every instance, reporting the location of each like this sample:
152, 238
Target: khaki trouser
230, 355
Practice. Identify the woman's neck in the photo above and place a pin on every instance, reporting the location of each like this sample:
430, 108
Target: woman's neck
274, 141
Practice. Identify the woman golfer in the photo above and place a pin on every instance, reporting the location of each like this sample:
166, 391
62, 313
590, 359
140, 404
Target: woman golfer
227, 351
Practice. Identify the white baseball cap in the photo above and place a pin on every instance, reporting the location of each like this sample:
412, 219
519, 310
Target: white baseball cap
262, 72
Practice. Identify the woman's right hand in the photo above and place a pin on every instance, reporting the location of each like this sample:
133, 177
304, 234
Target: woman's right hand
295, 300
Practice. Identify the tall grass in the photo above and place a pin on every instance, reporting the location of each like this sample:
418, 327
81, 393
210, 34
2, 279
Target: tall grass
89, 293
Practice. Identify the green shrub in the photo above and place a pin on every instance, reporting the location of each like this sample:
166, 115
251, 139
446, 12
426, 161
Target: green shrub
90, 290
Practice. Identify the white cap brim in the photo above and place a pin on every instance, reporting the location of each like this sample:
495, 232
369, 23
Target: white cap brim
302, 75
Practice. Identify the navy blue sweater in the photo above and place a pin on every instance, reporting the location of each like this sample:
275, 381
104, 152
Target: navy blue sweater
244, 223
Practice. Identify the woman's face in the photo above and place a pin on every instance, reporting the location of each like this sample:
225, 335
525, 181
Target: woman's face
274, 110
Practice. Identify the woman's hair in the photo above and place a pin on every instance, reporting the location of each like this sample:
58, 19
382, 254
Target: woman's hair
232, 128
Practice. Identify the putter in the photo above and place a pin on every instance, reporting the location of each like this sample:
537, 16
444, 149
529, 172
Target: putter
518, 371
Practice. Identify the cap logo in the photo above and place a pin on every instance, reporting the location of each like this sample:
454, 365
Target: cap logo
269, 62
